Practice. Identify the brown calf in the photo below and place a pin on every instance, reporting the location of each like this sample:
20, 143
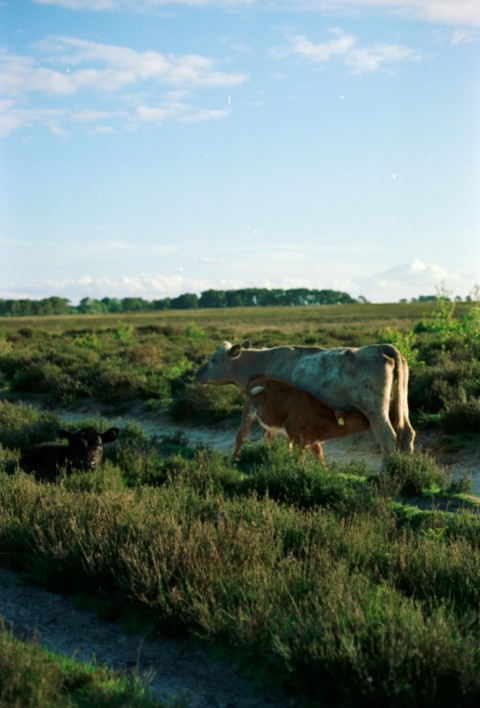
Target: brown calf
307, 422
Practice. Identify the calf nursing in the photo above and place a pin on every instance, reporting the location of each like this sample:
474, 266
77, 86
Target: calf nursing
303, 418
372, 380
83, 452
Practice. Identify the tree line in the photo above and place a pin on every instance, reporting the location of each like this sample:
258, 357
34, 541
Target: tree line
246, 297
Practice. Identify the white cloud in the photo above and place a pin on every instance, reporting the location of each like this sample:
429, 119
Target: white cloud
88, 116
182, 112
150, 287
454, 12
407, 280
81, 4
140, 4
463, 36
345, 47
340, 45
376, 57
13, 117
66, 66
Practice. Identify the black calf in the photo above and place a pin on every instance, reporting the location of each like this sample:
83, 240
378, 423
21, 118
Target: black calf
83, 452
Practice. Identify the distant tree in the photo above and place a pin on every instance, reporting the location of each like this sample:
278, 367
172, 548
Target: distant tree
234, 298
58, 305
188, 301
135, 304
212, 298
275, 297
296, 296
112, 304
90, 306
26, 308
243, 297
164, 304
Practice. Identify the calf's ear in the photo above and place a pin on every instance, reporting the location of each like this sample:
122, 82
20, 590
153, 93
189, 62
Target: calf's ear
110, 435
64, 434
234, 351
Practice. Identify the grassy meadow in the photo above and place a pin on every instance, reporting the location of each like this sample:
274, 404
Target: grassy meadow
345, 587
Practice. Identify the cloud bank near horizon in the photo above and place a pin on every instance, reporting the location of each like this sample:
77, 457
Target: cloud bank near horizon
404, 281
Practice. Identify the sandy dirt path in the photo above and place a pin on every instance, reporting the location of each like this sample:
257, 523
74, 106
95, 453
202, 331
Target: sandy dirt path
361, 446
180, 670
175, 670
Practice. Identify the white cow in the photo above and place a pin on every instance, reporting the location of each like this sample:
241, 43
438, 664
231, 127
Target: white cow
372, 379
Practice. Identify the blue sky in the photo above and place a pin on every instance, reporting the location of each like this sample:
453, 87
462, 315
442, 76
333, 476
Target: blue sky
152, 147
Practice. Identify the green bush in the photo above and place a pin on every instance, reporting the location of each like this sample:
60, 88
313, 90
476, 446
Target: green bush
22, 426
413, 474
116, 385
461, 417
296, 478
31, 675
433, 387
208, 404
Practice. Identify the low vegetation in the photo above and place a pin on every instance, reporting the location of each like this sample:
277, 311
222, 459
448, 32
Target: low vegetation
330, 579
355, 589
32, 676
151, 358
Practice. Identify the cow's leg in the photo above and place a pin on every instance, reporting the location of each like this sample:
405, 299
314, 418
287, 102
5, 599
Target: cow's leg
316, 449
384, 433
407, 433
408, 437
269, 435
248, 416
405, 436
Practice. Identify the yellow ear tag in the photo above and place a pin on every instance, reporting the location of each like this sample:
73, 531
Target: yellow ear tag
341, 421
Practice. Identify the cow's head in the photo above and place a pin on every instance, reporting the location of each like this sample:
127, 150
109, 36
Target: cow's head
85, 447
218, 369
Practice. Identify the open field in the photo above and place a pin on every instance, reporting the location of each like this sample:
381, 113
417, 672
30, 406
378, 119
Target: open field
241, 321
354, 588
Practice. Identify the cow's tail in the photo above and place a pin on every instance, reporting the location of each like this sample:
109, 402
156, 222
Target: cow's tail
399, 399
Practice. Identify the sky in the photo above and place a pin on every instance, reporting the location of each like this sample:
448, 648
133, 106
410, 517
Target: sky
158, 147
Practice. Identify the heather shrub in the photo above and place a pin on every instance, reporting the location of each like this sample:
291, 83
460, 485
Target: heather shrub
461, 416
208, 404
31, 675
22, 426
413, 474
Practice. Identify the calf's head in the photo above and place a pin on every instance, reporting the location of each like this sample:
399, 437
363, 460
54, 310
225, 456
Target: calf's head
85, 447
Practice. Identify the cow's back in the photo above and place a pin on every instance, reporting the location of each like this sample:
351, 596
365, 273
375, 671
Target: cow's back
339, 377
44, 459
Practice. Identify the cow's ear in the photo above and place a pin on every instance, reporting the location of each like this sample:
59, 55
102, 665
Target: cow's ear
246, 344
234, 351
64, 434
110, 435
